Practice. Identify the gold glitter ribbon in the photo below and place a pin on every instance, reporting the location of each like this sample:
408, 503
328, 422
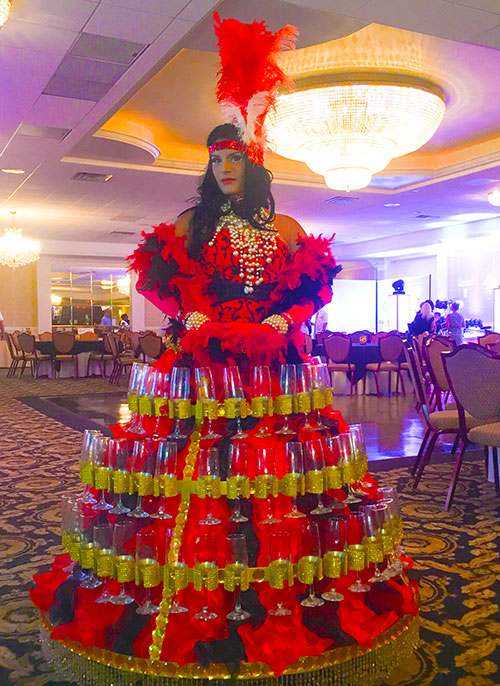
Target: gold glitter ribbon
302, 403
284, 404
87, 473
387, 542
208, 486
205, 574
266, 485
237, 486
292, 485
143, 483
133, 402
158, 404
124, 568
147, 573
356, 557
121, 481
309, 568
176, 576
334, 564
374, 549
314, 481
86, 558
105, 561
348, 474
236, 575
146, 405
333, 477
329, 395
102, 478
183, 408
279, 572
318, 399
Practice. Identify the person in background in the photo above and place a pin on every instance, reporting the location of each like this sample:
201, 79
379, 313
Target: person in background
320, 323
106, 318
455, 323
424, 319
124, 322
2, 329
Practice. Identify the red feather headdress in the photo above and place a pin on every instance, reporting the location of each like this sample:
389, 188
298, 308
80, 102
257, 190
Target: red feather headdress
249, 76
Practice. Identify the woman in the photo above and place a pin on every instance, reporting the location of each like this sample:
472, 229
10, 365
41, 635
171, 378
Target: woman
424, 319
455, 323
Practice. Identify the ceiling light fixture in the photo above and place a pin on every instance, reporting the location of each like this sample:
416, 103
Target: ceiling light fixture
5, 6
494, 198
348, 131
15, 249
14, 171
55, 299
123, 285
392, 204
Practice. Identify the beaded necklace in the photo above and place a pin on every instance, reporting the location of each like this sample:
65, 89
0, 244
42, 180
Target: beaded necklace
253, 247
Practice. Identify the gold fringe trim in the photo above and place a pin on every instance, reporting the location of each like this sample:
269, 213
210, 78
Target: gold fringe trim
343, 666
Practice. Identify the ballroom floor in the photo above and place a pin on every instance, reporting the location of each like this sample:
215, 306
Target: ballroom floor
457, 553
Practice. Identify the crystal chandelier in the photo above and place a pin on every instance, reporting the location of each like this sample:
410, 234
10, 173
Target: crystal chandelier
4, 11
15, 249
349, 131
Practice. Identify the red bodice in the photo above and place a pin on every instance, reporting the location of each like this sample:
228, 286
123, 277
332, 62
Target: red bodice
222, 266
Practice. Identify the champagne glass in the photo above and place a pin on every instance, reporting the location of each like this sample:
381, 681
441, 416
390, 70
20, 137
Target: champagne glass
166, 474
87, 559
335, 539
237, 477
376, 517
233, 391
135, 384
261, 388
357, 529
180, 393
123, 532
349, 466
305, 389
310, 546
334, 451
206, 395
288, 388
266, 481
103, 546
87, 465
119, 463
393, 529
295, 471
143, 464
209, 476
147, 561
280, 560
156, 387
237, 562
319, 382
360, 455
314, 465
70, 528
102, 470
206, 563
142, 380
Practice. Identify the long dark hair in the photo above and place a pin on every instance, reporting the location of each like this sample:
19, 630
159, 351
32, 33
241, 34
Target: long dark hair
256, 196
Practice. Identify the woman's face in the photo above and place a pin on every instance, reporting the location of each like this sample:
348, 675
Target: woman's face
426, 311
228, 167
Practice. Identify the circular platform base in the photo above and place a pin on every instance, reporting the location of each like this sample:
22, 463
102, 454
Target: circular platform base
344, 666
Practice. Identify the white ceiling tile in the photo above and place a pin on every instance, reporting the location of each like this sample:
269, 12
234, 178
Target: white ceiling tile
486, 5
121, 22
460, 23
490, 39
404, 14
168, 7
36, 37
64, 14
197, 9
176, 30
50, 110
348, 7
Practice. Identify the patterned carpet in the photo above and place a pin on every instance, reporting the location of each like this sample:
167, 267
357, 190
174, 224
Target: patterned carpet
457, 554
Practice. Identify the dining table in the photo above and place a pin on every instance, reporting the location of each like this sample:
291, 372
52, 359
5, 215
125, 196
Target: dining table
82, 350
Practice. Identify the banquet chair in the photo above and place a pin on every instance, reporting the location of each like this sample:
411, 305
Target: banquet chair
45, 336
101, 357
89, 336
120, 361
15, 355
320, 337
63, 343
337, 348
390, 349
494, 347
357, 335
474, 376
488, 338
375, 337
30, 354
431, 350
133, 341
150, 346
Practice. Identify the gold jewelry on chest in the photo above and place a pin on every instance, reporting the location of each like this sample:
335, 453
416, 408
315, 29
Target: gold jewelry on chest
253, 248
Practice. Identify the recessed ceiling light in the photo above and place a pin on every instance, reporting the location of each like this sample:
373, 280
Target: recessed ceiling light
392, 204
494, 198
14, 171
473, 216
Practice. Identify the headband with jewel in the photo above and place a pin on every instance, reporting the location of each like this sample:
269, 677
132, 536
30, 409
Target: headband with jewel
249, 77
224, 145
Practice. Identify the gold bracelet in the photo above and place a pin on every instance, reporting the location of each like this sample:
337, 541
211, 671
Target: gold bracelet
195, 320
278, 323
